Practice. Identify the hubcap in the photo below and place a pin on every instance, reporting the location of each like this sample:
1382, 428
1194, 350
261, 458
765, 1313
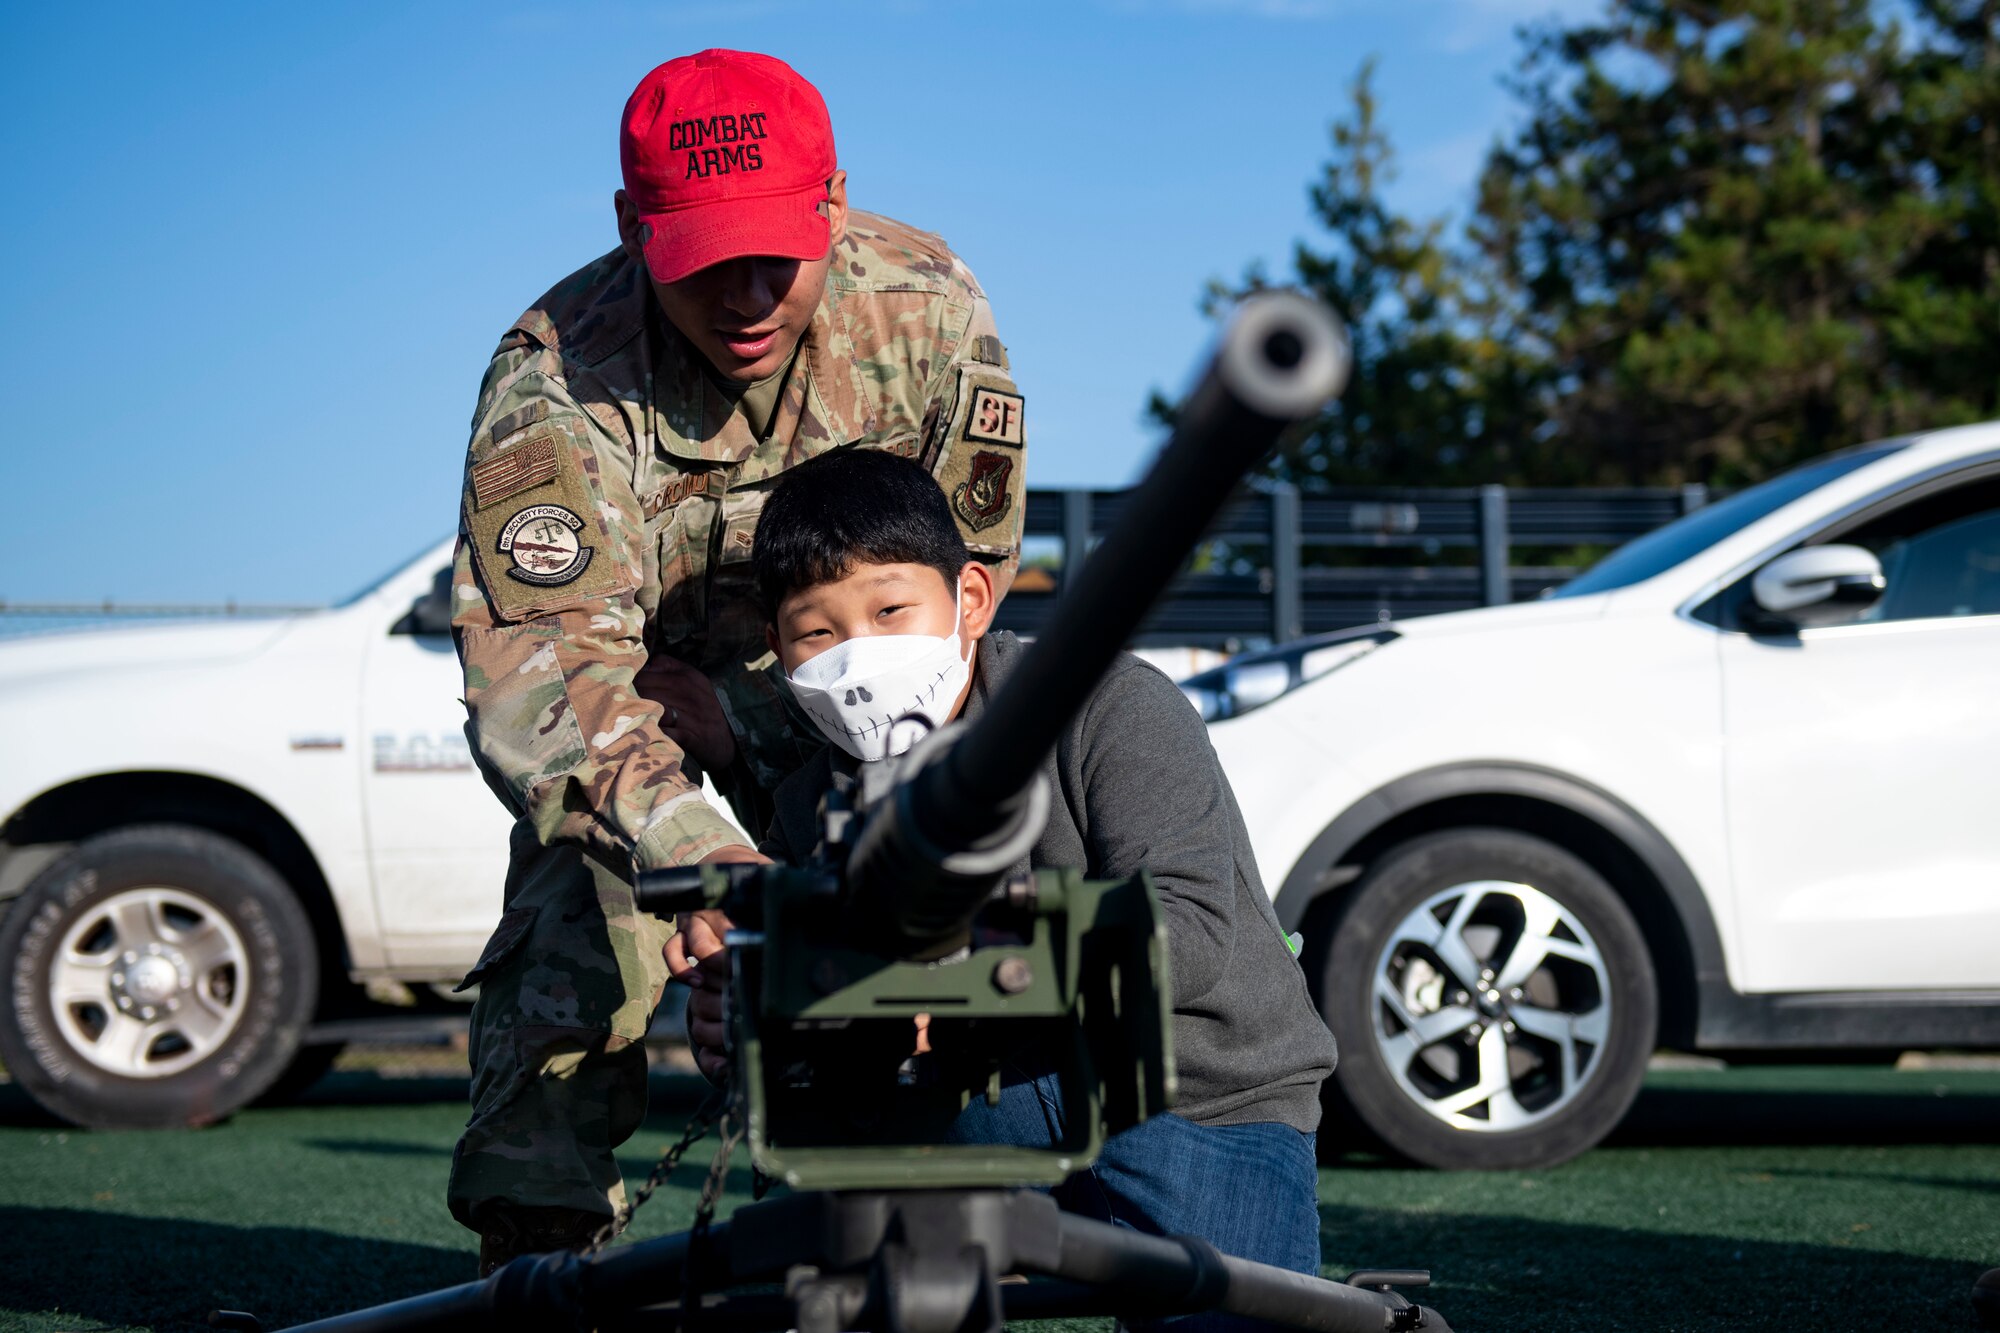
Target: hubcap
148, 982
1491, 1005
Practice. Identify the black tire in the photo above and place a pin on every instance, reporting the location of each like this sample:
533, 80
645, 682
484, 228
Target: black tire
1399, 883
265, 987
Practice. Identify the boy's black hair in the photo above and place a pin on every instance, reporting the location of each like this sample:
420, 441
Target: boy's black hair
846, 508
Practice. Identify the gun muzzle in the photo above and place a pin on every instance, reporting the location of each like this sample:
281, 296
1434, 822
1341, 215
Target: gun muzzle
1282, 358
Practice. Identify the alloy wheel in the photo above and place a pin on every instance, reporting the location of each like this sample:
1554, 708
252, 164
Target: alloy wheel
149, 982
1491, 1004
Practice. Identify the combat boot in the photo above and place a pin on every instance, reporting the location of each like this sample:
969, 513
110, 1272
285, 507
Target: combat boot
509, 1230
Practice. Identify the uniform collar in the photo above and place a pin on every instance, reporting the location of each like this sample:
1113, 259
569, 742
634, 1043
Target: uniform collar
614, 314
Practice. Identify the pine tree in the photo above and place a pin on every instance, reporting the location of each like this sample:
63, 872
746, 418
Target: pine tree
1439, 384
1729, 235
1729, 222
1945, 333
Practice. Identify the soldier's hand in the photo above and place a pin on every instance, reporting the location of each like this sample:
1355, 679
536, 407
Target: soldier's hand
693, 719
696, 955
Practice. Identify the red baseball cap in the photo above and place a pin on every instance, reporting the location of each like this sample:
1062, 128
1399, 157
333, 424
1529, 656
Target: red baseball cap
726, 154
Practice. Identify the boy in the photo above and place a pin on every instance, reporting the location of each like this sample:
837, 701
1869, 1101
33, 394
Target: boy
866, 585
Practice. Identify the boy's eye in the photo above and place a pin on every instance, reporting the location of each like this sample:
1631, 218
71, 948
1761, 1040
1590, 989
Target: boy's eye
892, 610
811, 634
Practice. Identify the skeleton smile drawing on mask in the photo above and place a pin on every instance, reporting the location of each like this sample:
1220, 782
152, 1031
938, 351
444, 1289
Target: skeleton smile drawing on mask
876, 695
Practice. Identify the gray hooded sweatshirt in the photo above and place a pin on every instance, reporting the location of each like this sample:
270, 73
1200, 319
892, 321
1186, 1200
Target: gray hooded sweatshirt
1138, 787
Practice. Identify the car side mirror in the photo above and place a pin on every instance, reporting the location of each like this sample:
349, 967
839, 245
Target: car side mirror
1818, 585
430, 613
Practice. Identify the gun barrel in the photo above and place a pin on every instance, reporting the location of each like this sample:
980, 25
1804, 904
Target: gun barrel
1281, 359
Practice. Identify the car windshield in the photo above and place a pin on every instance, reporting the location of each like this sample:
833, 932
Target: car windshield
1663, 548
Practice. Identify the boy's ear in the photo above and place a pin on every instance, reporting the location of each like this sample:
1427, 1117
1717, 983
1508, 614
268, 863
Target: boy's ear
978, 600
771, 641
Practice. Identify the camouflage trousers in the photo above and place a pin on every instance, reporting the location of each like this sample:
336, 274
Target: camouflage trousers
567, 986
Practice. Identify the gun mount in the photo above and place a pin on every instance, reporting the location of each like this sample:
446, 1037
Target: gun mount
911, 906
906, 911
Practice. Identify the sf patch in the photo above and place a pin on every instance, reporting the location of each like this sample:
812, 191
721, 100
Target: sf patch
978, 463
994, 417
982, 499
542, 542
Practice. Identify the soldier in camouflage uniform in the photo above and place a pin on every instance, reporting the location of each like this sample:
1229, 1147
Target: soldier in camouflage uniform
628, 429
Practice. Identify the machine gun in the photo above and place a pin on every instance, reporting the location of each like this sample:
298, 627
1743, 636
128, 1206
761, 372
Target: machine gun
909, 907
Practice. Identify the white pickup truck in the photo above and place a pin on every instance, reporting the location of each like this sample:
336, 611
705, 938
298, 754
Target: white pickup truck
214, 831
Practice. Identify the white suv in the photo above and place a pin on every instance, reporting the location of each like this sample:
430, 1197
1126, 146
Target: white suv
1732, 790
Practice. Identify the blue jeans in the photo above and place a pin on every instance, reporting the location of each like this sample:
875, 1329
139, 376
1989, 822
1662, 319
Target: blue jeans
1249, 1190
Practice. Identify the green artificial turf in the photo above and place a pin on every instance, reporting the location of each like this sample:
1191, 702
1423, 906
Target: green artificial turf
1797, 1198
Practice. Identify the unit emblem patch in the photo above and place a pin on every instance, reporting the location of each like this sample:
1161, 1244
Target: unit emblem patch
983, 499
542, 541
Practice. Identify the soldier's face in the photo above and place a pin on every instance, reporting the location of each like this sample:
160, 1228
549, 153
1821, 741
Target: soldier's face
747, 315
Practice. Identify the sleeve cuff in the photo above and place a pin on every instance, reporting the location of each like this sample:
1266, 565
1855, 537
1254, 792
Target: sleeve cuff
691, 831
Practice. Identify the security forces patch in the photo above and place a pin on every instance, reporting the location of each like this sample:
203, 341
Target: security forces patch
982, 499
543, 544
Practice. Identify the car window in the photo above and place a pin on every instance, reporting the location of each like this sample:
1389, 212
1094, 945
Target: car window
1940, 555
1663, 548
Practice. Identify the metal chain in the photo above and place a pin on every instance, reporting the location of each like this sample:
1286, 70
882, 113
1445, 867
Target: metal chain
697, 1129
704, 1214
718, 1170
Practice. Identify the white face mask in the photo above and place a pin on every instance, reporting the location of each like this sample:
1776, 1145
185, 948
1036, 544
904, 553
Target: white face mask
876, 695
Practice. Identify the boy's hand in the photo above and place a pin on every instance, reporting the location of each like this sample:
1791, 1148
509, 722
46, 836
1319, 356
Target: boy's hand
693, 718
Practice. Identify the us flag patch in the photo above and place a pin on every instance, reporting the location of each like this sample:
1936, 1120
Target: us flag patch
514, 471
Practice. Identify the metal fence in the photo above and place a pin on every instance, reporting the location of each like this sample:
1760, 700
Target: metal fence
1276, 568
1281, 573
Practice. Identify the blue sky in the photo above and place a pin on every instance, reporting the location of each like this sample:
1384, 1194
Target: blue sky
256, 256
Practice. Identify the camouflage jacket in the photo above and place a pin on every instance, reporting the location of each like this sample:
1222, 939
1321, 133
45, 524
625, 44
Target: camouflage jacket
610, 508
